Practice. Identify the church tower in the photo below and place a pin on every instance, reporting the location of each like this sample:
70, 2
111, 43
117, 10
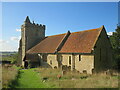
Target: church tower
31, 34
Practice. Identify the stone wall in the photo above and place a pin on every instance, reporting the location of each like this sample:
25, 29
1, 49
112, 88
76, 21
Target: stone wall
52, 60
33, 60
103, 53
65, 59
84, 62
43, 61
56, 60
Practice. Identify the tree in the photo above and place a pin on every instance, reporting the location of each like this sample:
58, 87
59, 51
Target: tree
115, 41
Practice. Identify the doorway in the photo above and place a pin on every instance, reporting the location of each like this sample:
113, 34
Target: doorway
25, 64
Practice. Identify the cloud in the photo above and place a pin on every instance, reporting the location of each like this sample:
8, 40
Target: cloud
6, 45
10, 45
18, 30
3, 41
109, 33
15, 38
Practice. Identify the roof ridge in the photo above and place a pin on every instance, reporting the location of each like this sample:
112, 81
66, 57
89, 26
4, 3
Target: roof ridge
86, 30
56, 35
75, 32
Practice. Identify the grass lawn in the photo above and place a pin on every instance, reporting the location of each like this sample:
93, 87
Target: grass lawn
30, 79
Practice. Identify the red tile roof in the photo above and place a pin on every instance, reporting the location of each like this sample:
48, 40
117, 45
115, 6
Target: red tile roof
77, 42
48, 45
80, 42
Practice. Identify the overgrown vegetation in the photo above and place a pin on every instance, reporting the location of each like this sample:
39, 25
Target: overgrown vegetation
56, 79
0, 76
115, 41
8, 75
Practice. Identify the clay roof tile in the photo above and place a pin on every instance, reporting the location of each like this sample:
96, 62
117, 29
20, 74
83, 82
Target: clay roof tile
77, 42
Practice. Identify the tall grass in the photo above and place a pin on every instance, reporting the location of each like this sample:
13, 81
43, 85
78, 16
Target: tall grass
77, 80
8, 75
0, 76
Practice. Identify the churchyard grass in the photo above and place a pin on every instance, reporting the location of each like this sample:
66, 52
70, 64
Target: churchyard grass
76, 80
54, 78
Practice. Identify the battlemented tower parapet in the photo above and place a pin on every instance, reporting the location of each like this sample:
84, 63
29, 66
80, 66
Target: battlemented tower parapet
31, 34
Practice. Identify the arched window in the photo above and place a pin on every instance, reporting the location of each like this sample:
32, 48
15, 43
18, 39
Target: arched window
79, 57
69, 60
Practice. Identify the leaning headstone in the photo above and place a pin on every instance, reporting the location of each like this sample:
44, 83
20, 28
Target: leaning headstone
63, 72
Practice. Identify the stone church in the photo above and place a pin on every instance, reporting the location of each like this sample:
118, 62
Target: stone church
85, 51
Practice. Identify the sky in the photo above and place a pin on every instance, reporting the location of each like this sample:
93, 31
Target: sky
59, 17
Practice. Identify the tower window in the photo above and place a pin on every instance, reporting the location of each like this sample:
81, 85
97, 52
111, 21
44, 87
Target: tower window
69, 60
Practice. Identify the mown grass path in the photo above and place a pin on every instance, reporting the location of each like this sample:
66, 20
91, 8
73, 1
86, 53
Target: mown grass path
30, 79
